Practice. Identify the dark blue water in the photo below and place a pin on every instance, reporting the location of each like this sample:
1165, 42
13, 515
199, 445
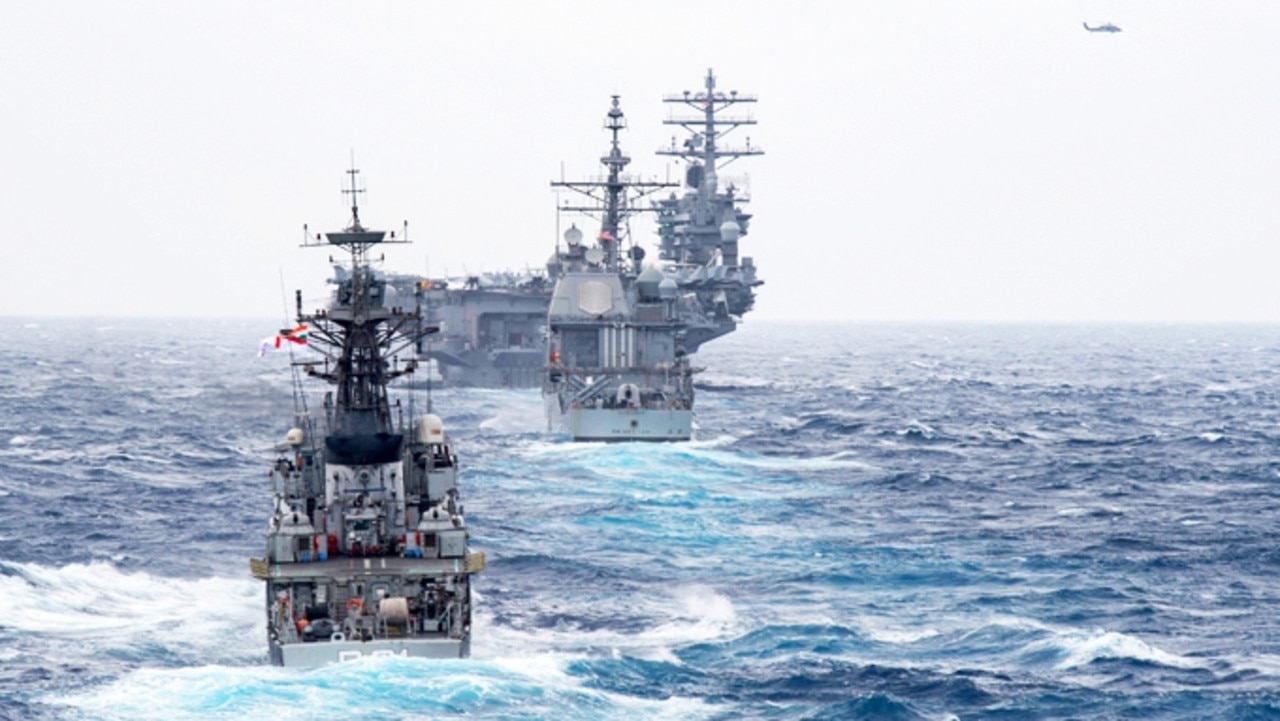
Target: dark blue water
879, 522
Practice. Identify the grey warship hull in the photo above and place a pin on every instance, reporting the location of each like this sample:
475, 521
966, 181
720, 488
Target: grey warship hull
625, 424
492, 329
617, 368
323, 654
367, 550
426, 638
489, 369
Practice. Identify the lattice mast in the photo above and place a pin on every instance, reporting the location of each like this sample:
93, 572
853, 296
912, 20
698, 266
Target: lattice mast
616, 196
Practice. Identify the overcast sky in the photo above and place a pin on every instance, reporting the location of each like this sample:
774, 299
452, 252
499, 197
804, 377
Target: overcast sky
979, 161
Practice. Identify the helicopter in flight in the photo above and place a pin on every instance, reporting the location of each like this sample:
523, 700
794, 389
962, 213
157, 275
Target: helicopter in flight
1108, 28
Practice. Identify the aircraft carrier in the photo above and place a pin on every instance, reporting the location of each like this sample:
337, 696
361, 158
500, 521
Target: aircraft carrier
492, 328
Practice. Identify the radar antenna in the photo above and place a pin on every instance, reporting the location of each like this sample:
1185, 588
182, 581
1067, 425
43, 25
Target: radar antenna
615, 195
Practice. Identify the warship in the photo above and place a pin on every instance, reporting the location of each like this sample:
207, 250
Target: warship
700, 230
366, 550
617, 369
493, 329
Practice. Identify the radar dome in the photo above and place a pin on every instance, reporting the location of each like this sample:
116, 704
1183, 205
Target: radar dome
729, 231
573, 236
292, 439
429, 429
668, 289
647, 283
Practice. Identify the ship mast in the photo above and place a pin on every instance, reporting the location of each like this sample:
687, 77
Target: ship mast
703, 144
706, 155
356, 335
615, 196
615, 161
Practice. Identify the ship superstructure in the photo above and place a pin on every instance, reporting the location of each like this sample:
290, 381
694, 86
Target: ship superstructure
700, 230
617, 367
367, 549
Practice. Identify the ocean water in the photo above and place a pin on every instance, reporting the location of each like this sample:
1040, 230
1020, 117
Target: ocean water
874, 522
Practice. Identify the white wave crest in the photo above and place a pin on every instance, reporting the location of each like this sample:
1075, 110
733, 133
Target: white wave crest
383, 688
686, 459
735, 381
1080, 648
886, 630
511, 412
98, 608
689, 614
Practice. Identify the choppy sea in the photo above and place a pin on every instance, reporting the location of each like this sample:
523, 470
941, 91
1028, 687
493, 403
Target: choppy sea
873, 522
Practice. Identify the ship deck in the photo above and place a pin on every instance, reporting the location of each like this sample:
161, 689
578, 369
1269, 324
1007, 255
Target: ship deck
358, 566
